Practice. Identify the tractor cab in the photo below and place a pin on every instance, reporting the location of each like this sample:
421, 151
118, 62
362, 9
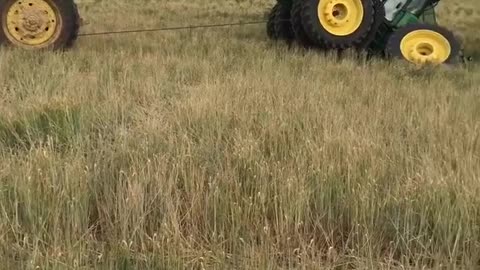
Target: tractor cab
400, 7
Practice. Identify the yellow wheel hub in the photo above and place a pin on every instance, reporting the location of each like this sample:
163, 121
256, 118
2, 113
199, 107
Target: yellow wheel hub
31, 23
425, 46
340, 17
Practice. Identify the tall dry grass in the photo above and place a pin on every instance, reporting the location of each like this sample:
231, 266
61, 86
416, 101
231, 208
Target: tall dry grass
216, 149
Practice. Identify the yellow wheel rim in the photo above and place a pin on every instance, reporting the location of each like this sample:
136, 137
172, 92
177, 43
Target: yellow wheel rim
425, 46
340, 17
31, 23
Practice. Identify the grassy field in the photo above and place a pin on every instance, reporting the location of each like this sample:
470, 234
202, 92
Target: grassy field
217, 149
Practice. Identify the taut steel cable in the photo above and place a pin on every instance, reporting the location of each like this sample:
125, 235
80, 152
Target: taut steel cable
171, 28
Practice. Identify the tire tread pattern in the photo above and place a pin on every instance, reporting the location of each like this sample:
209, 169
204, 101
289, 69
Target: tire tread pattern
271, 22
282, 23
296, 18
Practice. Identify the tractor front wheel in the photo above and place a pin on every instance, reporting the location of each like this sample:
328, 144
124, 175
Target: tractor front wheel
38, 24
423, 44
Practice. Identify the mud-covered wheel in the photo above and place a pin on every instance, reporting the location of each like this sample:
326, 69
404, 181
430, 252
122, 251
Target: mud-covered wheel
296, 20
282, 24
271, 23
39, 24
423, 44
342, 24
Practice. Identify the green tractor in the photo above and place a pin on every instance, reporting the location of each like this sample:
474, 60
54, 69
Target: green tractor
39, 24
404, 29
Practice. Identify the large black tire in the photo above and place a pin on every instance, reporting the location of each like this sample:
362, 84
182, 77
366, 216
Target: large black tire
297, 26
377, 27
64, 36
76, 28
393, 49
271, 22
377, 46
282, 24
373, 15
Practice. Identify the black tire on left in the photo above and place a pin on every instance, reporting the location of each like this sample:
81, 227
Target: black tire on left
271, 23
282, 23
295, 17
66, 10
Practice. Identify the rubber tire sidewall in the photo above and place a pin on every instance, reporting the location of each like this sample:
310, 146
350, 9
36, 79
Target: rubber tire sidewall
321, 37
393, 50
68, 32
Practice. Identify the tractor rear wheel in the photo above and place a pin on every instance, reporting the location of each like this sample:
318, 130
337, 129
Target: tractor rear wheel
38, 24
282, 25
76, 27
423, 44
271, 22
342, 24
297, 26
